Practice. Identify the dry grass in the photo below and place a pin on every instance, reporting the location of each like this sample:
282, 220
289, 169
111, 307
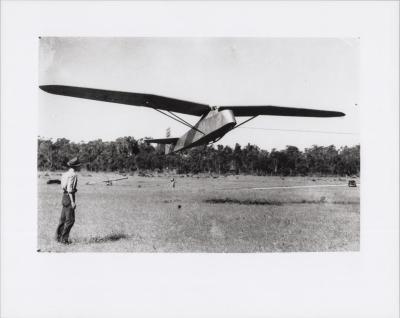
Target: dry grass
203, 215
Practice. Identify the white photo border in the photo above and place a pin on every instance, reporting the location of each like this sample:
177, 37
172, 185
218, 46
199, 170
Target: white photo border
351, 284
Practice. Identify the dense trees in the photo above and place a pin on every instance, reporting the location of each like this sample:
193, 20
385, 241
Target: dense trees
127, 154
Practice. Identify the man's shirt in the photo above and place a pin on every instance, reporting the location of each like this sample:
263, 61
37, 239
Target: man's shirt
69, 181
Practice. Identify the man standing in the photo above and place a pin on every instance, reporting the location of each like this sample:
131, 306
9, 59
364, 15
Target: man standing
69, 182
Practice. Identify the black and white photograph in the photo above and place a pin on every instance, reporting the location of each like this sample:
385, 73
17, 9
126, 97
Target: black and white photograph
198, 145
199, 159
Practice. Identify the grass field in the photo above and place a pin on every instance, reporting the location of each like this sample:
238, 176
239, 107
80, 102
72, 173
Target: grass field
143, 214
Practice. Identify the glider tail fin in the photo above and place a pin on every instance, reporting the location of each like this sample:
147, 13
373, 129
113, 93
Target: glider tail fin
168, 148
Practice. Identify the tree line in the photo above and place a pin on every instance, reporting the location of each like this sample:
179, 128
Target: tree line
126, 154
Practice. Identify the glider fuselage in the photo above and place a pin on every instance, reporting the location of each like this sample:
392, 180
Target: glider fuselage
210, 127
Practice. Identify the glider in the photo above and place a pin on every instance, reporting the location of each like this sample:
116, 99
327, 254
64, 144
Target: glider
214, 122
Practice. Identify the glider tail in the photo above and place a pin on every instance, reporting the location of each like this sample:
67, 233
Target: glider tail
168, 142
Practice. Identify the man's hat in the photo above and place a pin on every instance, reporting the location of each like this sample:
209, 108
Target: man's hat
74, 162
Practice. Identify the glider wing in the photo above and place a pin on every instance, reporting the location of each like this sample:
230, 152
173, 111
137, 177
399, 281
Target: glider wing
135, 99
280, 111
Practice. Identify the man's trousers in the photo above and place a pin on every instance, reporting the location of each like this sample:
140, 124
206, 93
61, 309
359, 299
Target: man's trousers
67, 219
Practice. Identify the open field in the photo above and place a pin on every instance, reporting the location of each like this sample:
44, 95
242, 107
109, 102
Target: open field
223, 214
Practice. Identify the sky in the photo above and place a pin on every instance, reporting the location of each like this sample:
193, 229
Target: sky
320, 73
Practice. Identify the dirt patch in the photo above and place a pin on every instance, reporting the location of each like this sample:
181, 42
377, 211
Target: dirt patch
244, 202
269, 202
108, 238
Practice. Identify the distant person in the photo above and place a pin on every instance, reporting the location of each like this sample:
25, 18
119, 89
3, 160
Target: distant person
172, 182
69, 181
